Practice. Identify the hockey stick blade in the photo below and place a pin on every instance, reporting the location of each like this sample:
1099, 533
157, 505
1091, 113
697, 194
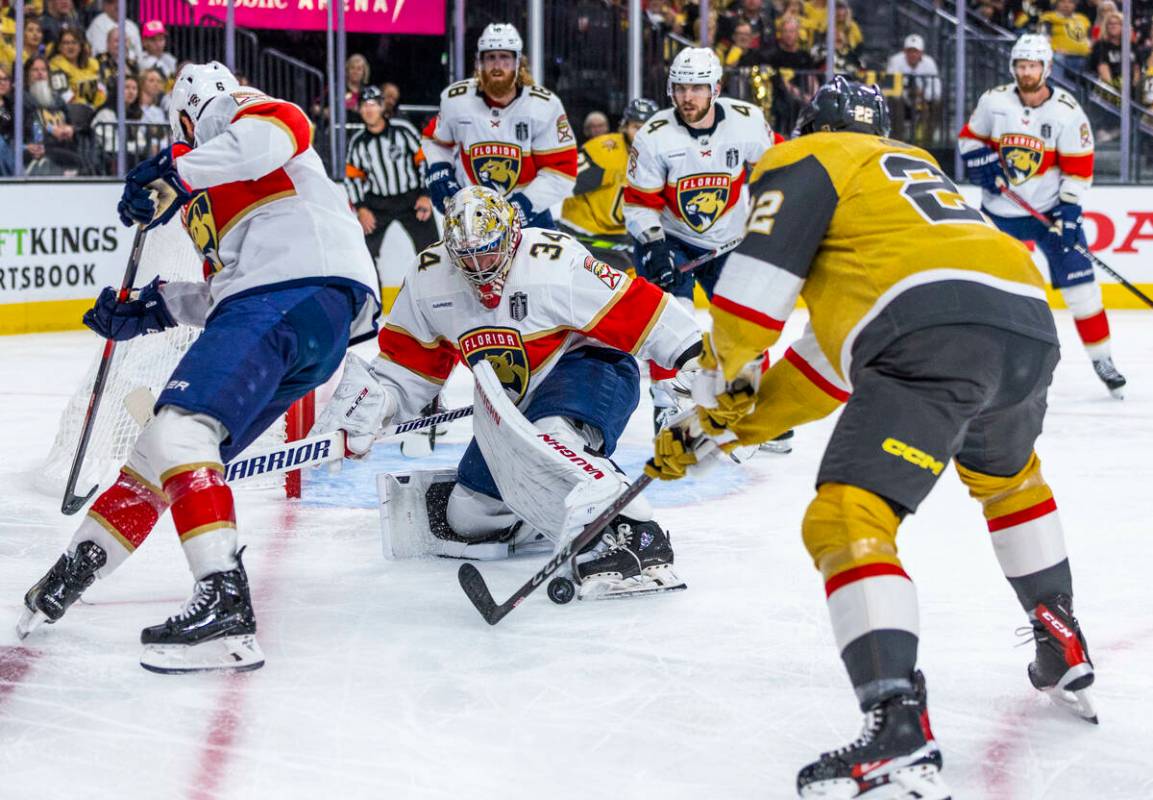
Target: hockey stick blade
478, 592
689, 266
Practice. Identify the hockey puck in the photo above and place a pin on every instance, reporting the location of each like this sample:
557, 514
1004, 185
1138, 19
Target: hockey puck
561, 590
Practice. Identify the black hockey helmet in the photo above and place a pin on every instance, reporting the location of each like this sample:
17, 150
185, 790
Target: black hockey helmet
639, 110
844, 105
371, 94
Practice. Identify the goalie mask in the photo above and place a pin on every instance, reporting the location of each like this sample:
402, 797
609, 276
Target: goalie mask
481, 234
195, 87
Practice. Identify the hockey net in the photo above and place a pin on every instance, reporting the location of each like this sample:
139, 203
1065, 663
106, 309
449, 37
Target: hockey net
146, 361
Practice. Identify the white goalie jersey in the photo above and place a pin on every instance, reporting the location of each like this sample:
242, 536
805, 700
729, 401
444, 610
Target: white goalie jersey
691, 182
557, 298
1046, 152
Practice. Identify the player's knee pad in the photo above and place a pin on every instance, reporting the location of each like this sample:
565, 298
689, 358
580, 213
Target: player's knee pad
1001, 496
1083, 300
175, 437
475, 515
846, 526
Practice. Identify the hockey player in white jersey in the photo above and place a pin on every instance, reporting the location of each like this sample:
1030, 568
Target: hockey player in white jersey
501, 130
1034, 138
288, 284
554, 322
686, 193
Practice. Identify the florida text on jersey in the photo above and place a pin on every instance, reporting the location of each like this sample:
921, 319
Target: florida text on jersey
526, 146
1045, 151
689, 181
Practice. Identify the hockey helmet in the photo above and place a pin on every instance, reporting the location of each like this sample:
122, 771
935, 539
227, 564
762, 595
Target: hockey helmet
1032, 47
639, 110
195, 87
844, 105
694, 66
499, 36
481, 234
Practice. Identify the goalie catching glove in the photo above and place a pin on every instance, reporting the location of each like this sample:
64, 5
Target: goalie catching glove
360, 407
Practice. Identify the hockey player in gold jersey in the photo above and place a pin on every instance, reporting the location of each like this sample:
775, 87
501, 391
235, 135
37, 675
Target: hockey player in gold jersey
932, 327
595, 214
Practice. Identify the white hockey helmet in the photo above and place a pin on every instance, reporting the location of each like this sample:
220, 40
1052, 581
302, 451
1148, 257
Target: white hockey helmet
499, 36
1032, 47
195, 86
481, 234
696, 65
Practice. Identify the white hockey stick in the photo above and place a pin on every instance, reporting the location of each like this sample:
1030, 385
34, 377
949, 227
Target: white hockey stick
728, 246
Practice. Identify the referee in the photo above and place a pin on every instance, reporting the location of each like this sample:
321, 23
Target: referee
383, 181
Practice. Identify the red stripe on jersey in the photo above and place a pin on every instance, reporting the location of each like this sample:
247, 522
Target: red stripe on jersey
843, 579
818, 380
129, 510
630, 316
747, 314
967, 133
429, 131
734, 193
1094, 329
638, 197
670, 200
562, 161
1080, 166
777, 138
1024, 515
285, 115
231, 201
201, 500
433, 363
659, 373
541, 349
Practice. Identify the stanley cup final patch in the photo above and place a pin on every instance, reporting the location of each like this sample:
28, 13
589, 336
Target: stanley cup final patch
518, 306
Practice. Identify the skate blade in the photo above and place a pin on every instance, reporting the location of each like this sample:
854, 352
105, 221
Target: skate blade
226, 654
1079, 703
1118, 393
922, 782
30, 621
775, 448
631, 587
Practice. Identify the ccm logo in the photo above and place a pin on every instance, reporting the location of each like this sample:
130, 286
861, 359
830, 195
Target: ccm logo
1056, 624
914, 456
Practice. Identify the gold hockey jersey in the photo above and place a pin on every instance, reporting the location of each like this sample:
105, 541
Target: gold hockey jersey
597, 204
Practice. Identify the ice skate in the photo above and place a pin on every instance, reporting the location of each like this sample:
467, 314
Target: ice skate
51, 596
216, 630
1062, 668
782, 445
1114, 381
630, 558
894, 758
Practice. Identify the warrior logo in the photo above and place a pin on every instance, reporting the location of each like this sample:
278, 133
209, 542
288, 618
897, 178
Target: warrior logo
201, 227
703, 199
518, 306
496, 165
504, 349
1023, 156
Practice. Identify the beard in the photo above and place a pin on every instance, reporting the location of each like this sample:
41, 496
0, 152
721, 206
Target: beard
497, 86
1030, 85
695, 114
41, 94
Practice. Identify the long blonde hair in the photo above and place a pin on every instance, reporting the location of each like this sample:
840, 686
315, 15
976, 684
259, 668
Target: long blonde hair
523, 75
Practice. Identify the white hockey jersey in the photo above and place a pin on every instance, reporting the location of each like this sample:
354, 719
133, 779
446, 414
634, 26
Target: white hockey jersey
264, 212
526, 146
557, 298
689, 181
1045, 151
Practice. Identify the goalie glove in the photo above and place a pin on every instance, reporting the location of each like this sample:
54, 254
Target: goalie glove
360, 407
722, 403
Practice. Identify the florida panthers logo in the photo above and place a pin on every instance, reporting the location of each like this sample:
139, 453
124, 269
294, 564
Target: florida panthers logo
703, 199
495, 164
1023, 156
201, 227
504, 350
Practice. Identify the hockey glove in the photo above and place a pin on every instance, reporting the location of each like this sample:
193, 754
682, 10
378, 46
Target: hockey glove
1067, 220
360, 407
153, 190
674, 453
143, 312
442, 184
722, 403
983, 167
523, 207
657, 263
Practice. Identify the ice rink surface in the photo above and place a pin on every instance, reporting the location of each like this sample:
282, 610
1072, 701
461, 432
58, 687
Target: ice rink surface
382, 681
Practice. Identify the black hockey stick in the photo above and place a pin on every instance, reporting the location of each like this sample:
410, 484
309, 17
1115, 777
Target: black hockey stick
477, 590
1037, 215
73, 502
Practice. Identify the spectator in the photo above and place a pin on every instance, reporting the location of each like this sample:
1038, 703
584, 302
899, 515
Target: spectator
921, 89
59, 14
82, 70
665, 16
796, 74
1105, 57
796, 9
846, 24
46, 123
742, 52
104, 125
107, 21
846, 59
356, 76
33, 38
1104, 9
151, 90
7, 124
1069, 34
992, 11
155, 57
1026, 14
7, 47
390, 99
108, 59
759, 16
595, 124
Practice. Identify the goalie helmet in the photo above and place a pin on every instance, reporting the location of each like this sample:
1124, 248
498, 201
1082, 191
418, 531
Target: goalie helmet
696, 65
844, 105
196, 85
500, 36
481, 234
1032, 47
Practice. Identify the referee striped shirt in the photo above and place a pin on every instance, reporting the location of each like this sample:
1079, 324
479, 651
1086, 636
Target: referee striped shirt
383, 164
